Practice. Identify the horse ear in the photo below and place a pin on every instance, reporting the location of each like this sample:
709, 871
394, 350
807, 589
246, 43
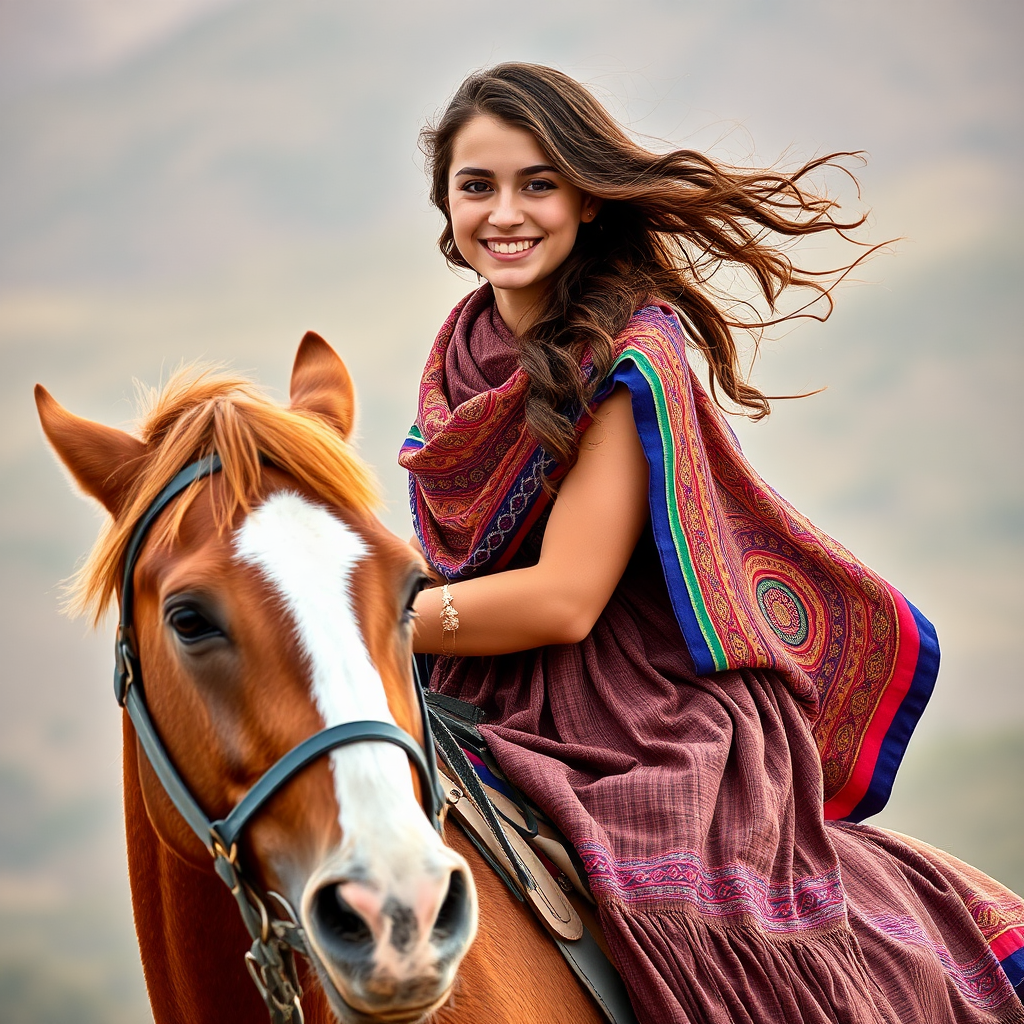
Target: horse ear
102, 460
321, 384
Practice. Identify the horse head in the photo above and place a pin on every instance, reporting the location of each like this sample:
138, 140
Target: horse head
270, 604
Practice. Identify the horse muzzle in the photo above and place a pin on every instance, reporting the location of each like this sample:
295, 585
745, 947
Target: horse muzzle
388, 951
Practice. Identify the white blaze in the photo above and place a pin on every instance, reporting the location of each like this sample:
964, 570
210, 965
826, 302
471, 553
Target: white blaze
311, 558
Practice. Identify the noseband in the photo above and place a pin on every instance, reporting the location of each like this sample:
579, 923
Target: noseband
275, 938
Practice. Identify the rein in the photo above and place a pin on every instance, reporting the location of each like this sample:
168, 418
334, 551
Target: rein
270, 920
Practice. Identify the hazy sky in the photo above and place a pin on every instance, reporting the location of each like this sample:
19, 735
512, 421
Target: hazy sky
207, 179
47, 41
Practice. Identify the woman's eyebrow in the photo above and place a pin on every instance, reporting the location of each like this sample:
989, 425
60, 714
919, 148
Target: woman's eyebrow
481, 172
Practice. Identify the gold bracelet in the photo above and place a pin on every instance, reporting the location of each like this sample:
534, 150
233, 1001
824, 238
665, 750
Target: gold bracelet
449, 622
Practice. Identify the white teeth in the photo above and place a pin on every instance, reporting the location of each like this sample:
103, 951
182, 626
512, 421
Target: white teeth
509, 247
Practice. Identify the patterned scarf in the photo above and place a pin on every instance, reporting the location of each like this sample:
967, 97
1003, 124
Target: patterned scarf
753, 584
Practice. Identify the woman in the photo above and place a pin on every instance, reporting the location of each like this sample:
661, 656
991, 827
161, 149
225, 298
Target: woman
689, 678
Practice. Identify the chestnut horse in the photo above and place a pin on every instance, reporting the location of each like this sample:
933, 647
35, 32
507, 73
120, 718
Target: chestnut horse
271, 604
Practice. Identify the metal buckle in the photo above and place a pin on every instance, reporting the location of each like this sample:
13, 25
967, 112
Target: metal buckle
124, 665
276, 980
218, 849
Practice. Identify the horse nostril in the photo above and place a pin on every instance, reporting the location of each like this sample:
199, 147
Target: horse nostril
451, 918
338, 921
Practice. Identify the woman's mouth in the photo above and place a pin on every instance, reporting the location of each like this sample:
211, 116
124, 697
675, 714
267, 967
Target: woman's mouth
509, 248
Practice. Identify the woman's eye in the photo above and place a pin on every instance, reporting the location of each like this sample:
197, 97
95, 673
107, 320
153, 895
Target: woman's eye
192, 625
539, 185
475, 187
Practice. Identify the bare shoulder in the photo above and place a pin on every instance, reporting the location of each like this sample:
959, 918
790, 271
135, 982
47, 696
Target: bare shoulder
611, 424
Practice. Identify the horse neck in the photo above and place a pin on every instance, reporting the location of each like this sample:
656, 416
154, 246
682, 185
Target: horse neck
191, 938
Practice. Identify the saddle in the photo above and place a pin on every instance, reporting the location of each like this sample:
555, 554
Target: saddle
537, 864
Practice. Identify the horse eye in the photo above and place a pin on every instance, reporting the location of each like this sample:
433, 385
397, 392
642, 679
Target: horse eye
192, 625
409, 612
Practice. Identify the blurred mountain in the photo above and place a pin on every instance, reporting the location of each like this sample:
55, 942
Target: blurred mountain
959, 794
269, 124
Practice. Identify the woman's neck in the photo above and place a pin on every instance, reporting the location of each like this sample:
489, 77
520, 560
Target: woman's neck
518, 307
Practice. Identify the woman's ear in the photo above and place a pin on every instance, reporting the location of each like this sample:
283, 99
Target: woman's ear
590, 208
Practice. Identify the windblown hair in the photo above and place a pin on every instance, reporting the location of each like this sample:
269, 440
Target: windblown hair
199, 411
668, 223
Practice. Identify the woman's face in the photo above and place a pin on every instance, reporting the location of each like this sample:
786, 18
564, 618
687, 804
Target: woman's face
513, 215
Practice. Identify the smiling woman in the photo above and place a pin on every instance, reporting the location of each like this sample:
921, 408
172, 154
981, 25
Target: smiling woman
705, 692
515, 220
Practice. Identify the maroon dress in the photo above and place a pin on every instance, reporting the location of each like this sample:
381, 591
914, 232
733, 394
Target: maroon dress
695, 803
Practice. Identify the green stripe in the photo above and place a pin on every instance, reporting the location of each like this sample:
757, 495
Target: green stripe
414, 434
680, 541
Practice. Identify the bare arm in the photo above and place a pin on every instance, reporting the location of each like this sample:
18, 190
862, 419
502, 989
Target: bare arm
594, 526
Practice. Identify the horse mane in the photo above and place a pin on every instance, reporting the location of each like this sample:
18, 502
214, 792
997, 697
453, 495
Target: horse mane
203, 409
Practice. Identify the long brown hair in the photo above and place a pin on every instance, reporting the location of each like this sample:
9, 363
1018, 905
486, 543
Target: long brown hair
668, 223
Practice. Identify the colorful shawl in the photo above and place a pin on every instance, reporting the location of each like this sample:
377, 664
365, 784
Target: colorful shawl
753, 584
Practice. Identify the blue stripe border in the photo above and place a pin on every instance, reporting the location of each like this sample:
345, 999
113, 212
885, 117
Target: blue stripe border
894, 745
1013, 966
646, 418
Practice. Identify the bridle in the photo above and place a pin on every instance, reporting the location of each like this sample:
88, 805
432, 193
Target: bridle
276, 936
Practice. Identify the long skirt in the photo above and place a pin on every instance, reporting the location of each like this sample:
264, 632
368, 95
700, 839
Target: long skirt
695, 803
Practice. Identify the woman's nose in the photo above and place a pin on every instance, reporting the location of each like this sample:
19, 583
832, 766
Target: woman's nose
506, 213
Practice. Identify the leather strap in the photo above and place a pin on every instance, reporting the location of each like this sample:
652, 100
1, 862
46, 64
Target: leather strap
465, 774
126, 659
174, 787
599, 977
570, 933
477, 808
230, 828
556, 913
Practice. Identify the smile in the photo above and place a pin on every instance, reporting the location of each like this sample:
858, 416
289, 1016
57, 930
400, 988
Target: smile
510, 247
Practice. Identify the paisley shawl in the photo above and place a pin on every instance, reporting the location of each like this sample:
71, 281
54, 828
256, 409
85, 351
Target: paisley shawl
753, 584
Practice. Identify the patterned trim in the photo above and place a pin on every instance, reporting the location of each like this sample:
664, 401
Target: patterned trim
1001, 921
982, 982
779, 907
888, 735
1013, 966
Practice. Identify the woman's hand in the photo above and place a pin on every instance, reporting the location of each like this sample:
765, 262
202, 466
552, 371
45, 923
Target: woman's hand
593, 528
